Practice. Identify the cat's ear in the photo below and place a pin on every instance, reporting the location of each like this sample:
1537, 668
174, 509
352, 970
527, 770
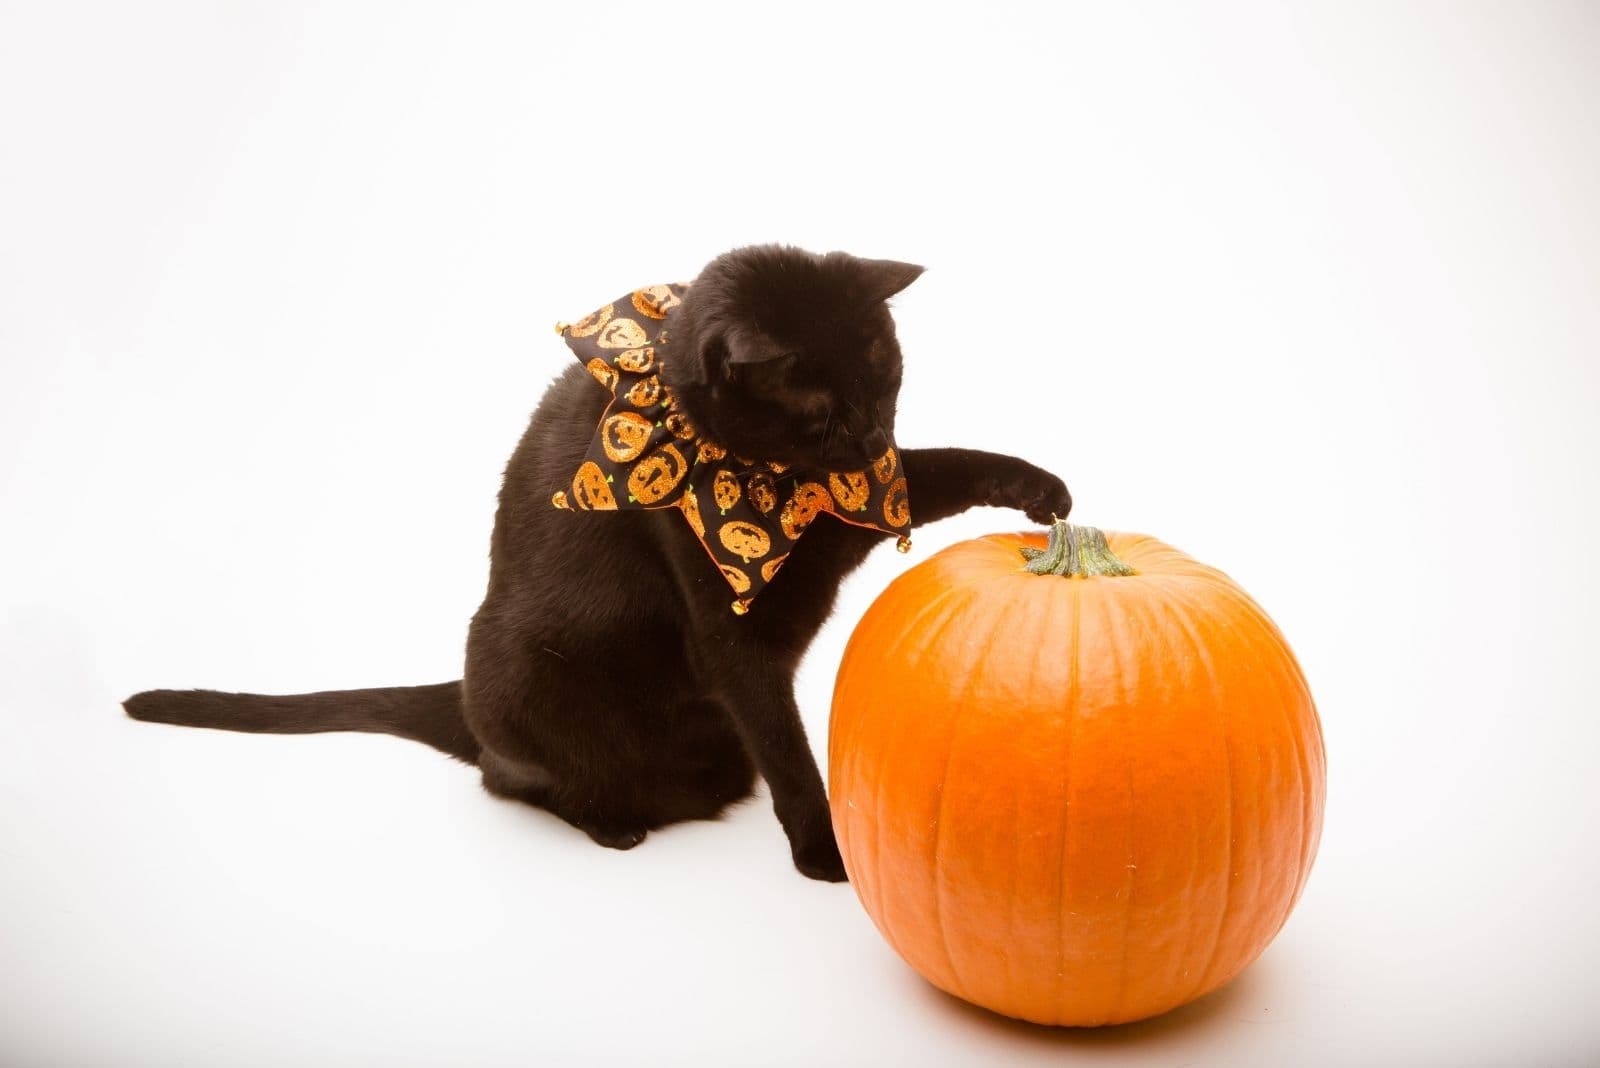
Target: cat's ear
882, 279
710, 357
719, 353
748, 354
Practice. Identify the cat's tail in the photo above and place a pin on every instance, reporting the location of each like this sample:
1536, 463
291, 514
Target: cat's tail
428, 714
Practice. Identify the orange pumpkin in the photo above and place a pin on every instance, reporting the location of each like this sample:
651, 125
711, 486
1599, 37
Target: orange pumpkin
621, 334
883, 467
590, 489
690, 507
624, 435
807, 501
896, 508
849, 489
654, 301
636, 360
657, 474
770, 568
725, 490
592, 322
645, 392
763, 492
744, 540
603, 373
1069, 794
681, 428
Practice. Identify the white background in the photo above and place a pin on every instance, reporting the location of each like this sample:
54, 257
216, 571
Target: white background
276, 284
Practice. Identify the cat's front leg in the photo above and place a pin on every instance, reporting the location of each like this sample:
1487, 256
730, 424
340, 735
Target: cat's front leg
758, 694
945, 482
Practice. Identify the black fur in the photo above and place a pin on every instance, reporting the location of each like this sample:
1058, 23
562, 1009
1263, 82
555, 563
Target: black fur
606, 679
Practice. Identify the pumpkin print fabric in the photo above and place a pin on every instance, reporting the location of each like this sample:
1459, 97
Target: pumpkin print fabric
646, 454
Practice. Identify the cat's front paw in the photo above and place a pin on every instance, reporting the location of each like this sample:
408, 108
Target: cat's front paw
819, 859
1033, 491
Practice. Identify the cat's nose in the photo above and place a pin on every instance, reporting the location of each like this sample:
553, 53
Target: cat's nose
876, 442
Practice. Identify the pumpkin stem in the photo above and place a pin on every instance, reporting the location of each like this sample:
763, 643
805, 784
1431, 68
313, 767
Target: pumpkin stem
1074, 552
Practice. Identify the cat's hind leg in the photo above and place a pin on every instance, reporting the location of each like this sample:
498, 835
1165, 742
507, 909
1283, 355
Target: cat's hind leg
613, 742
553, 734
697, 769
533, 784
707, 767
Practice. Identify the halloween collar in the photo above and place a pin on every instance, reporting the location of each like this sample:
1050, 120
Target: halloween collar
646, 454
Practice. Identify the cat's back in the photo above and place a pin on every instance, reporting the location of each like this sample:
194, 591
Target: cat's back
576, 563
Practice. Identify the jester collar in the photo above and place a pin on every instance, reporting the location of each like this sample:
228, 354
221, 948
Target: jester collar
646, 454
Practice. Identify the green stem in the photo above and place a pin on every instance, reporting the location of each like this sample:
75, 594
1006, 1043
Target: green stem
1074, 552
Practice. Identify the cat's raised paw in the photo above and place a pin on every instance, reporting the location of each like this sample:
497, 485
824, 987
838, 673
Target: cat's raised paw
1049, 501
1035, 492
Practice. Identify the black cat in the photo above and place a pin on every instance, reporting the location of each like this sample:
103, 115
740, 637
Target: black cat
607, 680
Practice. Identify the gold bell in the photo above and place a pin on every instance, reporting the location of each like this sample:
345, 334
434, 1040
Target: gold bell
903, 545
559, 499
741, 607
561, 328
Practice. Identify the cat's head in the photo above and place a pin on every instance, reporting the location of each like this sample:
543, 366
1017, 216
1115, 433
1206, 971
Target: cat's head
790, 356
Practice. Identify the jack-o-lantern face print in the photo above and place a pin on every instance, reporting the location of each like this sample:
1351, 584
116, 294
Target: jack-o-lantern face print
799, 510
736, 578
744, 540
763, 492
726, 490
621, 334
592, 323
680, 426
604, 375
850, 490
657, 475
770, 568
690, 507
710, 453
654, 301
591, 490
896, 509
637, 360
624, 436
645, 392
883, 467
